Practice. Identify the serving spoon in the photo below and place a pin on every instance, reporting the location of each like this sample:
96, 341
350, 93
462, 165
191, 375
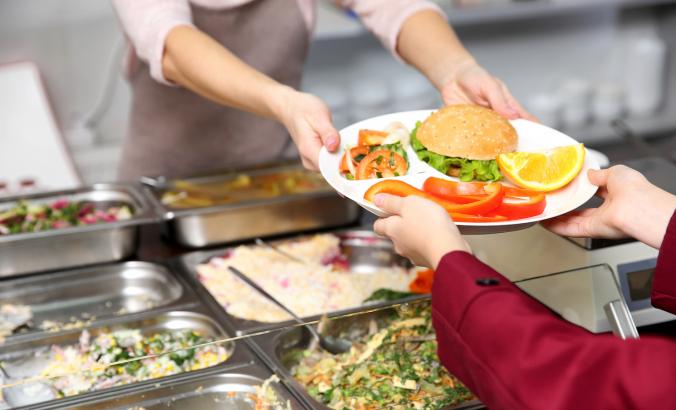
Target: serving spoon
333, 345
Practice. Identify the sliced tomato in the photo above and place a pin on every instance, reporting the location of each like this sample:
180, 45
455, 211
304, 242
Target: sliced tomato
484, 197
371, 137
519, 209
354, 153
459, 212
382, 163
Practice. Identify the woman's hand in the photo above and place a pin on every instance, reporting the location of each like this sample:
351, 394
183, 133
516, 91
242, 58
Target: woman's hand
420, 229
632, 207
308, 121
468, 83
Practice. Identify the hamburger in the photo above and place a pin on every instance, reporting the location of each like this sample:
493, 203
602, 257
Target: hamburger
464, 140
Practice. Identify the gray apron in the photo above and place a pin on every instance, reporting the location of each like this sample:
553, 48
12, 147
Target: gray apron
175, 132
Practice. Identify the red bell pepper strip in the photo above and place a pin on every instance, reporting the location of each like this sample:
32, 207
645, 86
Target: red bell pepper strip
488, 198
532, 206
459, 212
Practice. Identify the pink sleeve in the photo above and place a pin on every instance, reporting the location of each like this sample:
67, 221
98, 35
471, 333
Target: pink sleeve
385, 18
664, 279
147, 23
514, 353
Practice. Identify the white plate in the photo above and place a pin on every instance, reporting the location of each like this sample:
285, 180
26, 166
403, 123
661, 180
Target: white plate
532, 136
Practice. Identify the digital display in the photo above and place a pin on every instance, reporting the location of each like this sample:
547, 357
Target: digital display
640, 283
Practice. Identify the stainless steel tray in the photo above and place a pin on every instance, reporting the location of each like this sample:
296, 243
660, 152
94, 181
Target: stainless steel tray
77, 246
277, 350
199, 227
206, 392
87, 295
18, 357
365, 252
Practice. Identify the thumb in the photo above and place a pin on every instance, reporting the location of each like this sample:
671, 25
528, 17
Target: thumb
598, 177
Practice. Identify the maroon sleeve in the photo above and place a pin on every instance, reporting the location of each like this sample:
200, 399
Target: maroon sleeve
514, 353
663, 295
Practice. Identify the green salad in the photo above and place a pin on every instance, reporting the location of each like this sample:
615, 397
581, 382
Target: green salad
62, 213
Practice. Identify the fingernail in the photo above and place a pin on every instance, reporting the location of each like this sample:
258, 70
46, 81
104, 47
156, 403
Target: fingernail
379, 199
331, 142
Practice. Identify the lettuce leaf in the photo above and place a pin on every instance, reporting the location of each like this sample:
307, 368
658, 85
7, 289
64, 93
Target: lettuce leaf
470, 169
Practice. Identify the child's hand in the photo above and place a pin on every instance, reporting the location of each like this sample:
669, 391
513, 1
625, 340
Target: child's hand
420, 229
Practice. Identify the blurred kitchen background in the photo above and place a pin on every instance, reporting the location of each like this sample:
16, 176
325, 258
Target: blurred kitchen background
576, 64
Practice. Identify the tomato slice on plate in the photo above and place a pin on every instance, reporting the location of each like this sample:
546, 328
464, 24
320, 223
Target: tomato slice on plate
354, 154
371, 137
382, 163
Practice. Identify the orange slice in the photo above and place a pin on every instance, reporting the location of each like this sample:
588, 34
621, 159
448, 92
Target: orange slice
544, 170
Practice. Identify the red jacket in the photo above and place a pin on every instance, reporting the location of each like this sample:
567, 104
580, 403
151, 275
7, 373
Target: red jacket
514, 353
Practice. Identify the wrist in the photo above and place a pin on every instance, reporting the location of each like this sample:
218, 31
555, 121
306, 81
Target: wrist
649, 216
278, 101
450, 69
441, 249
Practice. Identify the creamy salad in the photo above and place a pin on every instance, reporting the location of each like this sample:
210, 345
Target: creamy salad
322, 284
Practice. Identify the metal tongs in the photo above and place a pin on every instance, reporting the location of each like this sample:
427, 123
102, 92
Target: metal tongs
333, 345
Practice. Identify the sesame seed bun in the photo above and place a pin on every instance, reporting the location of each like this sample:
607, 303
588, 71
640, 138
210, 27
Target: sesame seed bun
467, 131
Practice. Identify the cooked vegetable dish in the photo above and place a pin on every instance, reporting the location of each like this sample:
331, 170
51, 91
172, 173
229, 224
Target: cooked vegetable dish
394, 366
242, 187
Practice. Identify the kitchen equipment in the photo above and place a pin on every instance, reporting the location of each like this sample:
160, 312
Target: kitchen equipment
535, 251
333, 345
77, 298
229, 390
75, 246
644, 74
25, 359
575, 98
546, 107
607, 102
281, 349
588, 297
365, 253
532, 137
242, 218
